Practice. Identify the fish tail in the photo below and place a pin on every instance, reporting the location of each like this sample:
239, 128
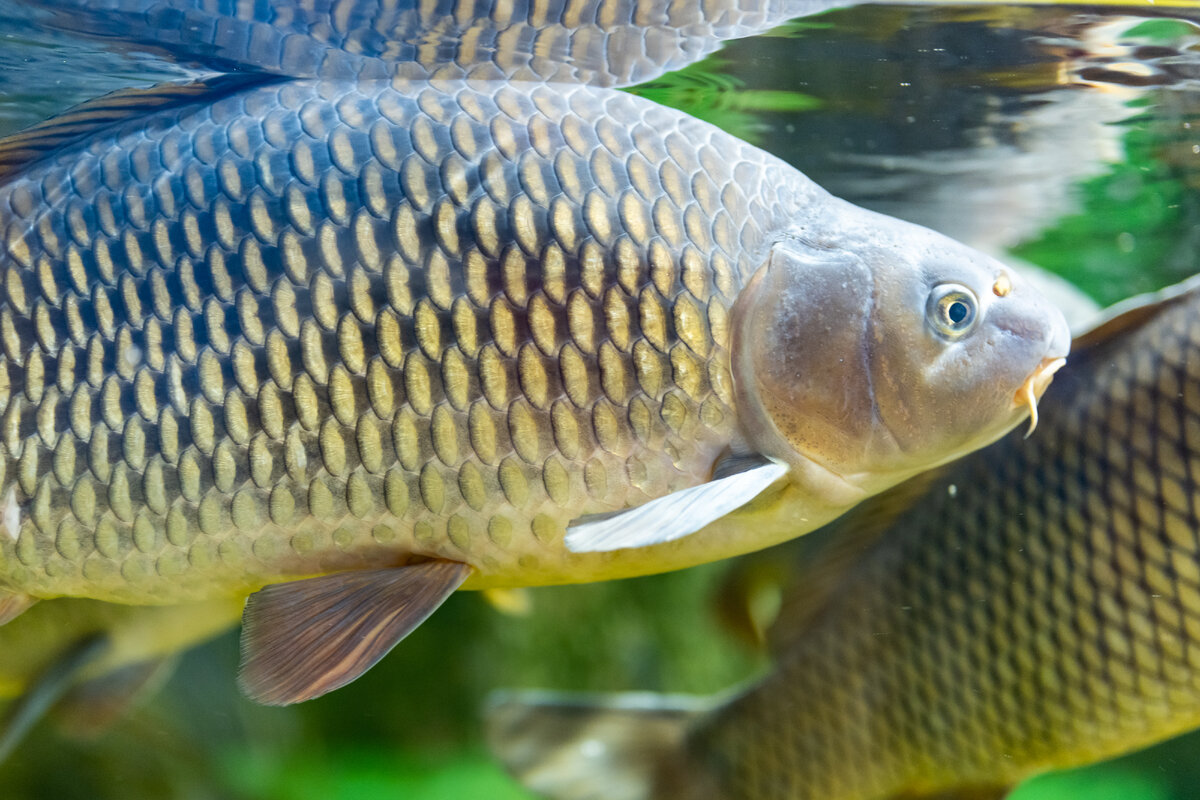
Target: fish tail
598, 747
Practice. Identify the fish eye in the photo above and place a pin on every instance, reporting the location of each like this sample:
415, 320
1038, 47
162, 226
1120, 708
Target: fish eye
952, 309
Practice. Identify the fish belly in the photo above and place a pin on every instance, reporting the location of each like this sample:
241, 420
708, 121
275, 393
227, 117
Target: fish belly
313, 326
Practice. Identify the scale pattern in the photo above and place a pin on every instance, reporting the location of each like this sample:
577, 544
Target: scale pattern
320, 325
1039, 608
593, 42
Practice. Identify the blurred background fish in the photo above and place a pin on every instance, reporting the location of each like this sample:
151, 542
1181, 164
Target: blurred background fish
94, 660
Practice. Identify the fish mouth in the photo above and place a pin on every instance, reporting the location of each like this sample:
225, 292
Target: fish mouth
1034, 386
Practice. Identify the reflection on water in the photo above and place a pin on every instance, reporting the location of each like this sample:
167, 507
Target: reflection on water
43, 72
1070, 138
992, 125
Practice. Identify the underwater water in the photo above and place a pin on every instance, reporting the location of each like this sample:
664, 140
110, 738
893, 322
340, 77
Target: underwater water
1065, 138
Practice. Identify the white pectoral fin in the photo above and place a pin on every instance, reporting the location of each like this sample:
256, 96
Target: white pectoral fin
671, 517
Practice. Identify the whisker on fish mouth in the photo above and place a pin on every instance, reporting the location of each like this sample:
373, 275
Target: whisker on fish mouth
1034, 386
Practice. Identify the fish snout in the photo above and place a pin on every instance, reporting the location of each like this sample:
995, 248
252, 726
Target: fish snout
1060, 336
1057, 346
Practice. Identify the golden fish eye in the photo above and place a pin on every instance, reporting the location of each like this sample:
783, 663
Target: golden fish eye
952, 310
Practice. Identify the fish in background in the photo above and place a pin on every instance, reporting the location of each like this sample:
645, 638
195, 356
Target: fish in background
91, 661
1035, 606
596, 42
364, 342
563, 41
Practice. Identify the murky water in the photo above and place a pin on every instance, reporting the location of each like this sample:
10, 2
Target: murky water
1063, 138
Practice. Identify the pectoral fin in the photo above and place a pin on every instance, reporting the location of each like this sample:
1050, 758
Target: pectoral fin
14, 605
308, 637
674, 516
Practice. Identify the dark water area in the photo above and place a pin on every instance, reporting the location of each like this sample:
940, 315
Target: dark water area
1069, 139
1011, 128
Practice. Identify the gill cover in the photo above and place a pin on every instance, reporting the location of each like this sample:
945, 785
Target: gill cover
801, 355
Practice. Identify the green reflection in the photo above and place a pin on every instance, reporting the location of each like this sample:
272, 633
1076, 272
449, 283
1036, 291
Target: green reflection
1136, 230
705, 91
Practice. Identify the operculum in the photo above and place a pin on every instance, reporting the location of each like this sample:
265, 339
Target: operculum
799, 339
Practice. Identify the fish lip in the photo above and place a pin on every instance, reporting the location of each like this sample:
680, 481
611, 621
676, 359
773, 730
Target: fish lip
1041, 377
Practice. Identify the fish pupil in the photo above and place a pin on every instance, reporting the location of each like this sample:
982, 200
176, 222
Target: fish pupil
951, 309
958, 311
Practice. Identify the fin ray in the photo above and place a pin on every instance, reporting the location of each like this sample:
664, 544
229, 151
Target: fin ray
14, 605
305, 638
673, 516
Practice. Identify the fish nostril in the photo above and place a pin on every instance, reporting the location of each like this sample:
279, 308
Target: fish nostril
1002, 285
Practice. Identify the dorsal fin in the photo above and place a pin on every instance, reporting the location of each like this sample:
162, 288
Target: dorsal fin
22, 149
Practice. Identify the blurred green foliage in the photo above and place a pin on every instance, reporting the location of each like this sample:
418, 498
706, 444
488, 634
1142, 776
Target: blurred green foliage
1138, 227
1100, 783
369, 774
706, 91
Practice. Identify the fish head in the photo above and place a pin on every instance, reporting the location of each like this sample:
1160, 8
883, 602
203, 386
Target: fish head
873, 349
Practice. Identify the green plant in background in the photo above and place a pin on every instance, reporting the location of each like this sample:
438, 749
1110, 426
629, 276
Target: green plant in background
1139, 225
1096, 783
706, 91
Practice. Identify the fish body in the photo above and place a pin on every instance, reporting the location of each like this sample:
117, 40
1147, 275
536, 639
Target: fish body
381, 322
1034, 608
405, 335
596, 42
311, 354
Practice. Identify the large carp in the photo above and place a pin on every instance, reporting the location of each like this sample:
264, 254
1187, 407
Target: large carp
405, 334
